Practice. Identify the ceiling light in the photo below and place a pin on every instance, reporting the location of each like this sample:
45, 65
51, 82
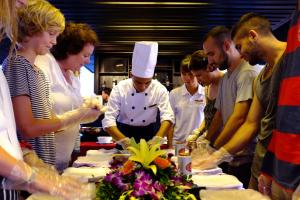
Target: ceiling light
152, 3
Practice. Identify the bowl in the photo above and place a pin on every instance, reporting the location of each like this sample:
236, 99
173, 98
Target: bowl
104, 139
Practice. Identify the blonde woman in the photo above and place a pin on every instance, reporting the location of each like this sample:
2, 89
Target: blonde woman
15, 173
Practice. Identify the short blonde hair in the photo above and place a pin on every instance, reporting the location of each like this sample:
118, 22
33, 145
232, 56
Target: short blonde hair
8, 22
37, 17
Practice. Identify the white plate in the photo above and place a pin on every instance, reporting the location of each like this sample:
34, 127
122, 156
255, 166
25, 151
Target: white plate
101, 152
222, 181
213, 171
93, 161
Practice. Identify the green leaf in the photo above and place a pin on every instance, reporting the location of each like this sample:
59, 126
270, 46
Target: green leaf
133, 143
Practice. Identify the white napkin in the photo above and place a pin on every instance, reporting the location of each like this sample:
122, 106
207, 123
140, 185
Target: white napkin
217, 182
92, 161
86, 173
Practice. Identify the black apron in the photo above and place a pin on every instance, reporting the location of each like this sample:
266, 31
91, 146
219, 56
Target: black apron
7, 194
138, 132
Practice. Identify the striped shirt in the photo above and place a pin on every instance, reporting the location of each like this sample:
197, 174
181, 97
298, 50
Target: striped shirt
28, 80
8, 194
282, 160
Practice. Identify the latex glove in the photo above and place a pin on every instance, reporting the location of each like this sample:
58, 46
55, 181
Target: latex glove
192, 139
92, 103
24, 177
203, 150
125, 142
21, 173
202, 138
31, 158
79, 115
193, 136
264, 185
156, 140
212, 161
296, 194
56, 185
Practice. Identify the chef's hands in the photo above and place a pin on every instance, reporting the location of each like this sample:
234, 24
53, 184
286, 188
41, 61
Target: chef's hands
156, 140
264, 185
124, 142
212, 160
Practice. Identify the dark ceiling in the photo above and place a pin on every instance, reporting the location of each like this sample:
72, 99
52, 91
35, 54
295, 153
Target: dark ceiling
176, 25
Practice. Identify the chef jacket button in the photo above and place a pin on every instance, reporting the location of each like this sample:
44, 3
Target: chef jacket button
131, 120
132, 94
145, 108
144, 121
146, 94
133, 107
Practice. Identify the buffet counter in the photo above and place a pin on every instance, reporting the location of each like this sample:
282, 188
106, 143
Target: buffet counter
95, 165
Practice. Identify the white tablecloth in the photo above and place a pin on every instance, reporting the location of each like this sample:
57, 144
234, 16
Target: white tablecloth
232, 195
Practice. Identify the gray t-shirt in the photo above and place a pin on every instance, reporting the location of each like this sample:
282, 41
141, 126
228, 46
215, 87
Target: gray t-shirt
267, 93
236, 87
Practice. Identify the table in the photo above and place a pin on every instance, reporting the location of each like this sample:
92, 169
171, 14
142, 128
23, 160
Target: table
85, 146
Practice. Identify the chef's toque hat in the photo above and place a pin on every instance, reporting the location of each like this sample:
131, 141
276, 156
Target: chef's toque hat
144, 59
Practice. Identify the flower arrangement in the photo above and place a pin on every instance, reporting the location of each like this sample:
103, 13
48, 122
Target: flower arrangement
147, 174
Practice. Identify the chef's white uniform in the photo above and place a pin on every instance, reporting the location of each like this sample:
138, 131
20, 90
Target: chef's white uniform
135, 113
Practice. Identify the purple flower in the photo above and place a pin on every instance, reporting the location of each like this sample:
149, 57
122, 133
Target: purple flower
143, 185
115, 178
138, 193
158, 186
109, 177
140, 174
177, 180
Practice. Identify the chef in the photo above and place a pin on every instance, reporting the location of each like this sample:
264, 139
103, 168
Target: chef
134, 103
